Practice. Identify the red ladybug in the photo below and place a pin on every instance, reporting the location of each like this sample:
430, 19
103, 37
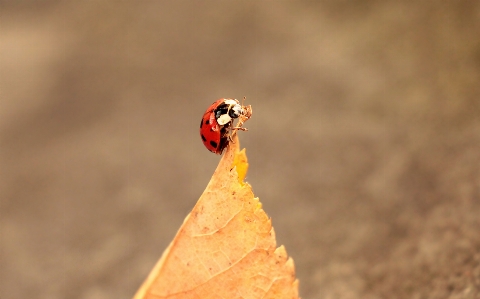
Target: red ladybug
217, 121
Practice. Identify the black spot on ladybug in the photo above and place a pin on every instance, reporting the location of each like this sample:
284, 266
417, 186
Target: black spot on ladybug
203, 138
207, 122
201, 124
213, 143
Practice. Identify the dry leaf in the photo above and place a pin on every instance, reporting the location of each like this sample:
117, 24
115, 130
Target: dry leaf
226, 246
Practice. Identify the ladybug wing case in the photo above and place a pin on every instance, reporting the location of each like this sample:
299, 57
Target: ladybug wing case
210, 131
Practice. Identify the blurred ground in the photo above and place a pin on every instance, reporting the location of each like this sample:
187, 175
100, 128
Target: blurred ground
364, 145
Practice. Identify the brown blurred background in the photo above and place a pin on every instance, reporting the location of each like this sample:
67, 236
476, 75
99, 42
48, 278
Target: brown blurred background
364, 145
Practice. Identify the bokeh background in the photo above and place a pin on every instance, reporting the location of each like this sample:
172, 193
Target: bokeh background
364, 145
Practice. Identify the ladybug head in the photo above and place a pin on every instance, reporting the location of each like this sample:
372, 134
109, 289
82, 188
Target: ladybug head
227, 111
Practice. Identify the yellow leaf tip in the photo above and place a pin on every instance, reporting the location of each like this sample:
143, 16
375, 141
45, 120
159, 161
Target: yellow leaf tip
240, 162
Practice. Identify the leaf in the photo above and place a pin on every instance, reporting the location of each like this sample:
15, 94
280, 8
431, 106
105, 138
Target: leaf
226, 246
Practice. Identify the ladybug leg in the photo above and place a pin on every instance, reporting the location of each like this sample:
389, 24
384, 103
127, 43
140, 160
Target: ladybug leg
230, 134
247, 113
239, 128
233, 131
242, 119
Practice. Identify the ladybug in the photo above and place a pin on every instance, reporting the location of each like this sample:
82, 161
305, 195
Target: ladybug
217, 122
